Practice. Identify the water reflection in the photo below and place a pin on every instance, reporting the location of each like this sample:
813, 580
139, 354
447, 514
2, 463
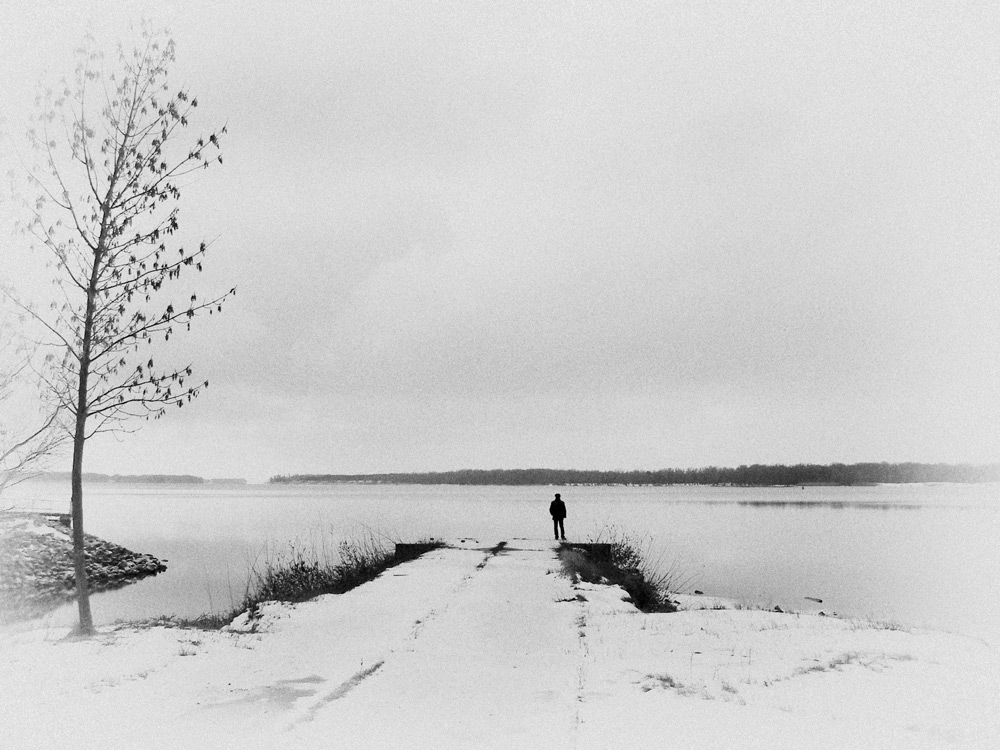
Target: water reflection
840, 505
16, 606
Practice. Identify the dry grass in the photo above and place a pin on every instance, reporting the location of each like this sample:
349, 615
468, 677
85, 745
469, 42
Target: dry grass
632, 566
303, 572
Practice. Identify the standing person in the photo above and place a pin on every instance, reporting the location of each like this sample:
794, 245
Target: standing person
557, 509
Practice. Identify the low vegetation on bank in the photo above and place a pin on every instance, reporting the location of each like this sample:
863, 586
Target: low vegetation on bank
613, 556
305, 572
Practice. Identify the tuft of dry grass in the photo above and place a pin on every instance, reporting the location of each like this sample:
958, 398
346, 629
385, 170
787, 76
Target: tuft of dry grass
307, 573
304, 572
631, 565
873, 623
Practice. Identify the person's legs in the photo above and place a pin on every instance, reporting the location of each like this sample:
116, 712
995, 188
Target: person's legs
562, 529
555, 527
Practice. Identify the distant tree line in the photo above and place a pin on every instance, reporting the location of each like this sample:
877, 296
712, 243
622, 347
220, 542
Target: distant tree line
755, 475
94, 478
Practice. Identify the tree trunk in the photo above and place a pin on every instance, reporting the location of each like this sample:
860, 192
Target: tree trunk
86, 625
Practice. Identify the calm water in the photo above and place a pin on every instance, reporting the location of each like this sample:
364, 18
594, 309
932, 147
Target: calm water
920, 555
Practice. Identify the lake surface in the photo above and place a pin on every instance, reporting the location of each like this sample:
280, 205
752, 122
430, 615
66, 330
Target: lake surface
918, 555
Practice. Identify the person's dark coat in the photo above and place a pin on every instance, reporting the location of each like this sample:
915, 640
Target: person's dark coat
557, 509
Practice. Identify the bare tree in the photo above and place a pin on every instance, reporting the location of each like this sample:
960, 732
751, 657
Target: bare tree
29, 430
114, 158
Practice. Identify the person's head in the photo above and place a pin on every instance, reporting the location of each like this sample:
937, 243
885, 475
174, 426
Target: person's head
557, 496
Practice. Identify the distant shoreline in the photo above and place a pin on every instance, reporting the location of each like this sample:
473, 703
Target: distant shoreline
96, 478
757, 475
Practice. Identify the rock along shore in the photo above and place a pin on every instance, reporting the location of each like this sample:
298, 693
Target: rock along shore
36, 565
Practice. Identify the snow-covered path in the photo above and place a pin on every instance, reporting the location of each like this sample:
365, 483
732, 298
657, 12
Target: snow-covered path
473, 647
494, 664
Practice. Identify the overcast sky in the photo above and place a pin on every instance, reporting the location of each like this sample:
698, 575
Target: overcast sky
573, 235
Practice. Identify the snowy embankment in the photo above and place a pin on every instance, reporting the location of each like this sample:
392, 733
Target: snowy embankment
465, 648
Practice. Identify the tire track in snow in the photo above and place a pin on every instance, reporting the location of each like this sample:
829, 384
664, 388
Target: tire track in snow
581, 670
339, 692
437, 612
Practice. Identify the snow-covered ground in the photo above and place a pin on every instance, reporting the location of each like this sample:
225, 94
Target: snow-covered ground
465, 649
